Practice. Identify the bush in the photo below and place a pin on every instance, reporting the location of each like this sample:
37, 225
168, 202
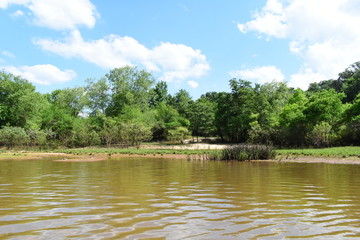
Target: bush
178, 134
135, 133
37, 137
13, 136
321, 135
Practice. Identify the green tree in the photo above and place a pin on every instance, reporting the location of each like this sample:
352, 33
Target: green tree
159, 94
72, 100
202, 117
129, 87
324, 106
292, 120
264, 122
20, 105
60, 123
97, 95
242, 106
167, 118
182, 102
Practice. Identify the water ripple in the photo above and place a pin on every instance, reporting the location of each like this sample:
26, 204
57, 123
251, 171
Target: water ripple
165, 199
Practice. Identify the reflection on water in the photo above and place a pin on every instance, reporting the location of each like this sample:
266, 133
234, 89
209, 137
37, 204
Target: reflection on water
177, 199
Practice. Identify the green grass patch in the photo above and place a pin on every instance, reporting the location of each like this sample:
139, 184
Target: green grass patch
322, 152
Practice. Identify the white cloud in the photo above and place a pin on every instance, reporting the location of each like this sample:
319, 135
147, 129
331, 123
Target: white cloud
17, 13
41, 74
193, 84
58, 15
325, 34
304, 77
173, 61
263, 74
7, 54
6, 3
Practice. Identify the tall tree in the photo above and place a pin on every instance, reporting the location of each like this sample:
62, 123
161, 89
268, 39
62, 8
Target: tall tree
159, 94
202, 117
20, 105
98, 95
181, 102
129, 86
72, 100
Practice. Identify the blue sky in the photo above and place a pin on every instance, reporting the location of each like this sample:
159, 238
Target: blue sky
195, 45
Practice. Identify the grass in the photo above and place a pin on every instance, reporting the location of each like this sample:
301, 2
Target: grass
244, 153
343, 152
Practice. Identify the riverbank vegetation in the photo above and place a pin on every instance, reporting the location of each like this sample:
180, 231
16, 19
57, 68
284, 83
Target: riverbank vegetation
128, 106
341, 152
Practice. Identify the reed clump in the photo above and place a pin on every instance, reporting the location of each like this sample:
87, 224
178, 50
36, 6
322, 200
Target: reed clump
243, 152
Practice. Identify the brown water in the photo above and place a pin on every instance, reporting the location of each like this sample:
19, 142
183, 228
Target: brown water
178, 199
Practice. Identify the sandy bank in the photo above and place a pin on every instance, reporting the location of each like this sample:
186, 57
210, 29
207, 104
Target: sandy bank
65, 157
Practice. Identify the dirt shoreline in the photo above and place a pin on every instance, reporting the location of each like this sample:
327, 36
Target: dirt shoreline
65, 157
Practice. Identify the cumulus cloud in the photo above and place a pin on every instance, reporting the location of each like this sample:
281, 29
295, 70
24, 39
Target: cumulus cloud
193, 84
172, 61
263, 74
325, 34
58, 15
42, 74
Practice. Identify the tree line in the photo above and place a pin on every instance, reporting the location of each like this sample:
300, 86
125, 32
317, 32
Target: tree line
128, 106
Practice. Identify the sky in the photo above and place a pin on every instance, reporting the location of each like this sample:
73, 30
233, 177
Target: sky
193, 45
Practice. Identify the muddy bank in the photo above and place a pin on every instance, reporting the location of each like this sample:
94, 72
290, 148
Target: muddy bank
103, 157
65, 157
331, 160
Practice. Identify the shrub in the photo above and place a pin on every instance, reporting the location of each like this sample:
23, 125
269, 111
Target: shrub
321, 135
13, 136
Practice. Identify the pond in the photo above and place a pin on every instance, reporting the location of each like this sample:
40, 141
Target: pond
150, 198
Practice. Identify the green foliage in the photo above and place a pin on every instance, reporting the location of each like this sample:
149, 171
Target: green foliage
179, 134
37, 138
20, 105
60, 123
71, 100
321, 135
129, 86
97, 95
84, 134
292, 120
324, 106
13, 136
110, 132
159, 94
202, 117
134, 133
167, 119
181, 102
